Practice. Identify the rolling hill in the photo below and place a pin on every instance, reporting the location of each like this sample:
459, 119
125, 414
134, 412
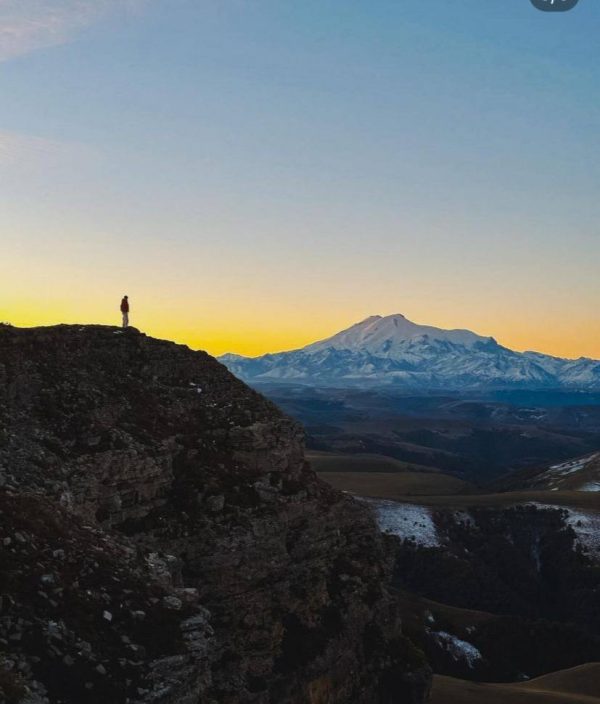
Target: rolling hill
578, 685
578, 474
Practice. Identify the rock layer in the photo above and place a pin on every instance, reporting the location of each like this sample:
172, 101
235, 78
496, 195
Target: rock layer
273, 583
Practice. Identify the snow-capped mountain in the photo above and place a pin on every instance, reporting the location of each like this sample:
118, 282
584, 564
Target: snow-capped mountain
394, 350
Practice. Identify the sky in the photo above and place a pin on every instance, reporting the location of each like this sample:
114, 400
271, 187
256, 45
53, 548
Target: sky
259, 174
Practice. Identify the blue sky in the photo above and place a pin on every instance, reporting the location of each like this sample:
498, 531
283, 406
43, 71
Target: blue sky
258, 174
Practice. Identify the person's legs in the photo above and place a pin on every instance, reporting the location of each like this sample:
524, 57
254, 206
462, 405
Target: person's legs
125, 319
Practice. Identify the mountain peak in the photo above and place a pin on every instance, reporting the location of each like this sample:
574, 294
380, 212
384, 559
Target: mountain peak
389, 335
376, 318
394, 350
370, 319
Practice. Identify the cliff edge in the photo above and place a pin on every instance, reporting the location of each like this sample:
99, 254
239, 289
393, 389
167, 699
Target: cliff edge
164, 540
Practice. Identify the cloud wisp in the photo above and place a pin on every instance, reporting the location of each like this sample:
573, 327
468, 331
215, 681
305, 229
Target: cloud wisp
28, 25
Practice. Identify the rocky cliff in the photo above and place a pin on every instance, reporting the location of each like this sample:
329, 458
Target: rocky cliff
164, 540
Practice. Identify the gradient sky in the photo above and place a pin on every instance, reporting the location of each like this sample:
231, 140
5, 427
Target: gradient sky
257, 174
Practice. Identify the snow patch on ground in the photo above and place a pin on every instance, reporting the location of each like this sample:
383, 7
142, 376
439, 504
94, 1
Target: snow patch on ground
457, 648
406, 521
566, 468
585, 525
561, 475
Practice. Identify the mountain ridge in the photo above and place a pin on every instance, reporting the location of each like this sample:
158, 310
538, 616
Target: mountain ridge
392, 350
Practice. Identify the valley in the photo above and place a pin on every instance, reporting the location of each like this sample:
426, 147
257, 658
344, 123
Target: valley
475, 437
397, 485
498, 589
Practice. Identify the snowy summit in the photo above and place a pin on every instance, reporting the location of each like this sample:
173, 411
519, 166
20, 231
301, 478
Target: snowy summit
387, 336
394, 350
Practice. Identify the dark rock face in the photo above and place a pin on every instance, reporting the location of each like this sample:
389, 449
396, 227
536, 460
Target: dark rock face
83, 618
257, 582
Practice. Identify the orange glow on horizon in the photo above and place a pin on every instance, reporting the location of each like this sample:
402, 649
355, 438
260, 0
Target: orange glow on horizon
247, 336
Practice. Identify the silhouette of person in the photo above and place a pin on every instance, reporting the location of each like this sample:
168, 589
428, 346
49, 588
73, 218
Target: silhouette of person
125, 310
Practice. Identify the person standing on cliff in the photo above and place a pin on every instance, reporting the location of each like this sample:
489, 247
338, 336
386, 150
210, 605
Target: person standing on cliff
125, 310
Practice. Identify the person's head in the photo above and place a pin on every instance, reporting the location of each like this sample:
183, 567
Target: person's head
125, 297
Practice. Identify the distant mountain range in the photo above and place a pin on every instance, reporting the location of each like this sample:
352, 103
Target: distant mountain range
392, 350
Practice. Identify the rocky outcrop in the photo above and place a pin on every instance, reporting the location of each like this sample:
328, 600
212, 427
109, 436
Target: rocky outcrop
190, 495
